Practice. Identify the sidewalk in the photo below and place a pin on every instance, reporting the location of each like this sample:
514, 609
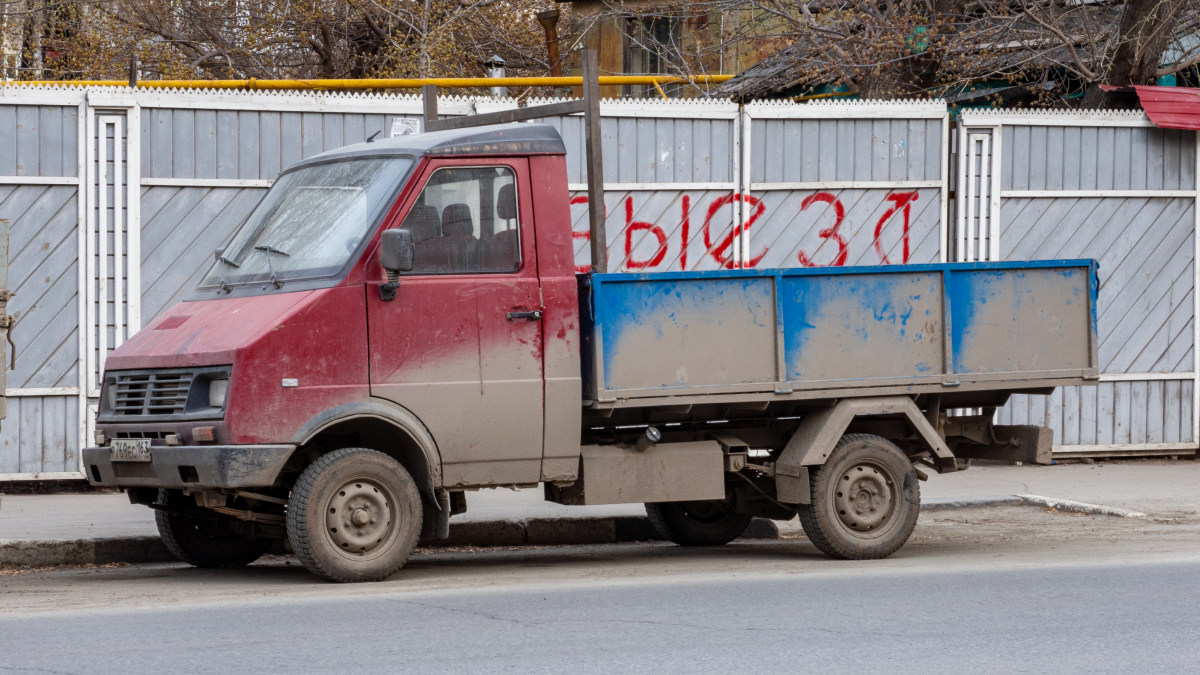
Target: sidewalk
56, 529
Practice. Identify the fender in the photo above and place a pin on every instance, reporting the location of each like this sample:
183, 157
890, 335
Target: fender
820, 431
389, 412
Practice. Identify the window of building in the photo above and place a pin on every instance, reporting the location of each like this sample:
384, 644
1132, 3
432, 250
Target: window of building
650, 43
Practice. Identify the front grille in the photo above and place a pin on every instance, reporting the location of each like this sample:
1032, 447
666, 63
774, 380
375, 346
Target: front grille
153, 435
134, 470
152, 393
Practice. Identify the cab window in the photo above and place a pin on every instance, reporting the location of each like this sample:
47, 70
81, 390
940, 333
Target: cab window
465, 222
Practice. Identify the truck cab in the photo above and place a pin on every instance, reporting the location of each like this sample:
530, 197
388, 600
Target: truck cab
294, 343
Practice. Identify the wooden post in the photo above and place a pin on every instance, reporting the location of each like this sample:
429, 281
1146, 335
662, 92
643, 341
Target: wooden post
595, 162
429, 103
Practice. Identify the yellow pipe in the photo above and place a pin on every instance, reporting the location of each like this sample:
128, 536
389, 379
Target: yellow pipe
811, 97
408, 83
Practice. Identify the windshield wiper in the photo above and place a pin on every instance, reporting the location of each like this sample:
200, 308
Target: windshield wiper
227, 261
271, 268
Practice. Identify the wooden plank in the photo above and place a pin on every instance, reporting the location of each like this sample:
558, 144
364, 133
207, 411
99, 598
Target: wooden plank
1121, 412
880, 144
311, 136
331, 131
206, 143
270, 149
810, 145
1138, 154
1087, 415
1105, 413
1054, 160
646, 167
506, 116
827, 148
1156, 151
933, 150
55, 453
10, 437
248, 145
896, 149
1139, 398
1172, 140
8, 151
354, 129
1187, 391
1171, 411
1155, 412
1054, 411
183, 144
1070, 423
51, 142
28, 141
228, 143
31, 436
844, 158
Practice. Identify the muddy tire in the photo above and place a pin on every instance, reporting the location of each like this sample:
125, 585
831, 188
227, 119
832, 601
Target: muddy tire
702, 523
865, 500
354, 515
204, 539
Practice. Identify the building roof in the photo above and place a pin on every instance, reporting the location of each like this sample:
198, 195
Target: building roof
495, 139
1171, 107
998, 46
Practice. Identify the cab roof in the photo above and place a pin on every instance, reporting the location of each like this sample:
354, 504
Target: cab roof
491, 140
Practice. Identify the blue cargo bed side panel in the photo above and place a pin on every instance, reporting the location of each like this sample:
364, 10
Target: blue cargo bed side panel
778, 330
890, 323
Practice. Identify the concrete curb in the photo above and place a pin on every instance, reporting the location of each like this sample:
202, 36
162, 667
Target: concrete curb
948, 503
83, 552
530, 532
1079, 507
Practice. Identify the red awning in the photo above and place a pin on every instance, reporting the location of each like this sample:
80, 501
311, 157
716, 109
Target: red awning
1171, 107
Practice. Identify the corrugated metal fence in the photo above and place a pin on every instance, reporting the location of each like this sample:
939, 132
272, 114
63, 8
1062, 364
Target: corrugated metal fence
167, 176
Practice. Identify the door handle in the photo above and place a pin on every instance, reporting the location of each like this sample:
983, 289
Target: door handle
534, 315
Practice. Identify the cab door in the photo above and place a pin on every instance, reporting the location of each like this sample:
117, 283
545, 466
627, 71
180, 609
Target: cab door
461, 344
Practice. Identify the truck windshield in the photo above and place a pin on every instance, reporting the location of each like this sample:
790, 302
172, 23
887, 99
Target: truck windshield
310, 222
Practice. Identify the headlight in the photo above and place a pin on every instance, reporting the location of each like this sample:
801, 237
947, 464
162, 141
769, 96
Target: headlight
110, 394
216, 392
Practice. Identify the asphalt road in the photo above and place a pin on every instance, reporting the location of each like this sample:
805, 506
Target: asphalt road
1007, 590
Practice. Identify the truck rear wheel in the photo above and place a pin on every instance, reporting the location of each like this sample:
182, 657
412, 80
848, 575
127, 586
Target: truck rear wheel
354, 515
204, 539
702, 523
865, 500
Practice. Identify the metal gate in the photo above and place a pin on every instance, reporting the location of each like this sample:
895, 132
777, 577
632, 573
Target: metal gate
1109, 186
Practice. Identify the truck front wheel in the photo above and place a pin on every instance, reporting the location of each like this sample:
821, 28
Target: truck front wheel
865, 500
354, 515
204, 539
702, 523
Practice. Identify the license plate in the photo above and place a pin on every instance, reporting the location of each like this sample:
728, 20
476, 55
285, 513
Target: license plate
130, 450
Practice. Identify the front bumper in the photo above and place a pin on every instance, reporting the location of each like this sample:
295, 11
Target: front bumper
190, 466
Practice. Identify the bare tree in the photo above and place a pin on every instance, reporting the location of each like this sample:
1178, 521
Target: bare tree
272, 39
890, 48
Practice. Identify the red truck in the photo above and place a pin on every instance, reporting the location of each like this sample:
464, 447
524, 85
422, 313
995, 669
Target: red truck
400, 322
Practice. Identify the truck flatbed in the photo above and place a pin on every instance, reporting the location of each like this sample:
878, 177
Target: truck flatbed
948, 328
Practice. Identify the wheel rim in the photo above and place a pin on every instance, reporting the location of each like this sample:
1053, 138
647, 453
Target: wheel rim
362, 518
865, 499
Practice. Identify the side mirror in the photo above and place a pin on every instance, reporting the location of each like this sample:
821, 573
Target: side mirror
396, 252
395, 256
